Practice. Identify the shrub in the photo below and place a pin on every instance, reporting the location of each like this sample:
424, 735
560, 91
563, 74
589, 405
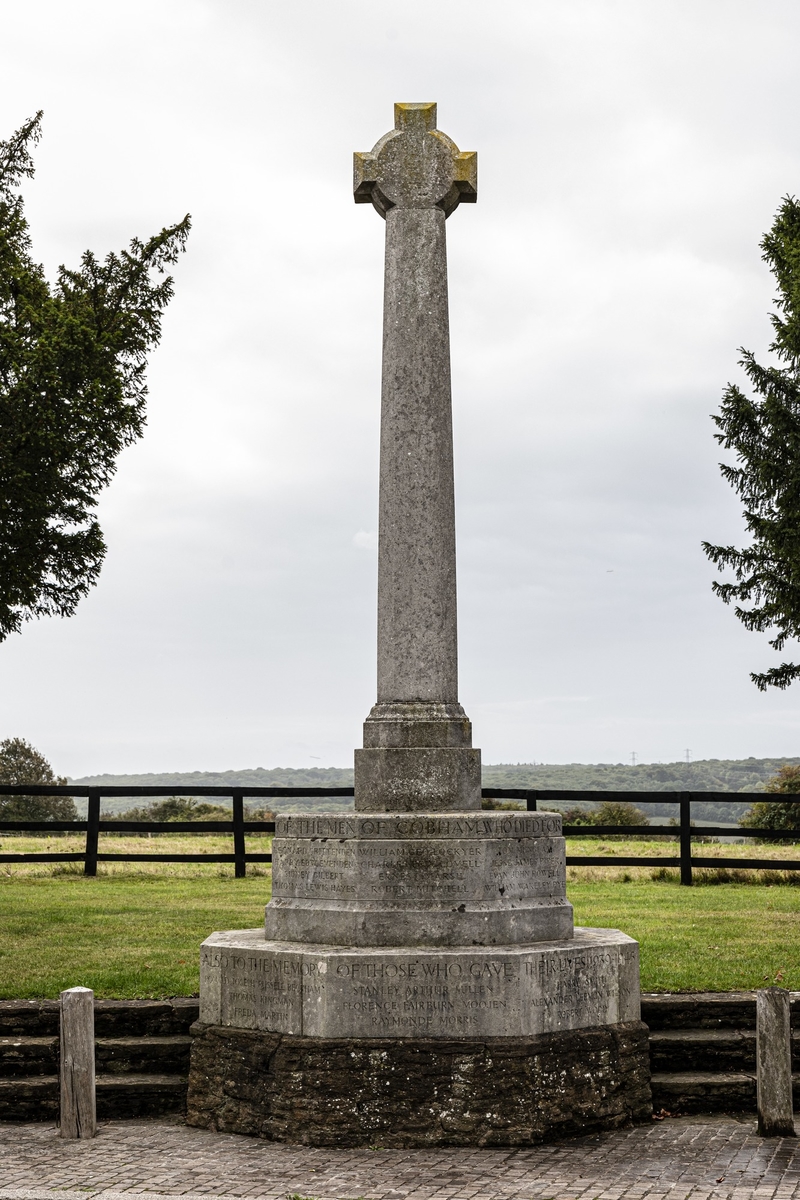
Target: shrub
258, 813
174, 808
619, 812
20, 763
577, 816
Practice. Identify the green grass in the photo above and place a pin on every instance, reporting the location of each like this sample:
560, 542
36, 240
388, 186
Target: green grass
137, 935
166, 843
706, 938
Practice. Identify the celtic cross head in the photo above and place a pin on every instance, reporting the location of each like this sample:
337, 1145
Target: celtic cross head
415, 165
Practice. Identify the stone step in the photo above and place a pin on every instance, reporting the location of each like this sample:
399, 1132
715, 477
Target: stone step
35, 1097
706, 1010
708, 1091
722, 1050
143, 1055
29, 1056
112, 1018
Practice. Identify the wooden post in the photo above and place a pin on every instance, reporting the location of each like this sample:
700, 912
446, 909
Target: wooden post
78, 1107
240, 865
686, 839
92, 833
774, 1063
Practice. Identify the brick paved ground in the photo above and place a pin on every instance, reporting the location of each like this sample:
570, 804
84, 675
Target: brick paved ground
715, 1158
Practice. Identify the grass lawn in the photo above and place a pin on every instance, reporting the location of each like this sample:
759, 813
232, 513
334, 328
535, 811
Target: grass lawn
123, 936
706, 938
134, 931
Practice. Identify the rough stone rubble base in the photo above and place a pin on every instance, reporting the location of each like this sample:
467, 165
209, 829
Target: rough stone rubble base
408, 1092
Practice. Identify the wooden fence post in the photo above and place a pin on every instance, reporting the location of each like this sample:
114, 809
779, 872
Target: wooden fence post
530, 801
76, 1071
92, 833
686, 839
240, 865
774, 1063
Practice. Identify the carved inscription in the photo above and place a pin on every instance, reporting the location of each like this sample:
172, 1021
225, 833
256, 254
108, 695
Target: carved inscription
327, 992
439, 870
420, 826
567, 984
263, 991
428, 996
492, 995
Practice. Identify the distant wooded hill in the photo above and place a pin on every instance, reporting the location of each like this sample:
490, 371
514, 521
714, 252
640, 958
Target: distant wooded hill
706, 775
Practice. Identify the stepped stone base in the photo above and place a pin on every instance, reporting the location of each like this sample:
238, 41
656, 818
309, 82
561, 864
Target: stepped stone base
418, 879
326, 991
418, 1092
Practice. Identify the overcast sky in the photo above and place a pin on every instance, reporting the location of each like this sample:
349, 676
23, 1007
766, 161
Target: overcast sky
631, 155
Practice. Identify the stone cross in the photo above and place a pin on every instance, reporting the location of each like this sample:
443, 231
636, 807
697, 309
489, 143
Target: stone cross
417, 740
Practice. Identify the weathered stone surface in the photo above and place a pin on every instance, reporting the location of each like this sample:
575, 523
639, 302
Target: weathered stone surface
417, 739
122, 1018
699, 1010
703, 1091
419, 1092
143, 1055
418, 917
714, 1050
474, 826
422, 779
29, 1056
411, 924
507, 991
431, 870
35, 1018
405, 723
424, 880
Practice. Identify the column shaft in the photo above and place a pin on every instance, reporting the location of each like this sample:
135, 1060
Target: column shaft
417, 752
417, 641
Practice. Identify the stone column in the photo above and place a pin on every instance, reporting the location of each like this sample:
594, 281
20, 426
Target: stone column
417, 739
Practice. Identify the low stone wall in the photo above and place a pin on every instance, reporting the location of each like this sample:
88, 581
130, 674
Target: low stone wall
141, 1056
408, 1092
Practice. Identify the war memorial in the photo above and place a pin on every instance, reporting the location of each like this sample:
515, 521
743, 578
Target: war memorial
418, 980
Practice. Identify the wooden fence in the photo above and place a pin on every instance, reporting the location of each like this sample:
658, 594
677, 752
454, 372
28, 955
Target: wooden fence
238, 827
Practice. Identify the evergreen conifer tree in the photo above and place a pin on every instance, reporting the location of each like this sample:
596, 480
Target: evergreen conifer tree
764, 433
72, 395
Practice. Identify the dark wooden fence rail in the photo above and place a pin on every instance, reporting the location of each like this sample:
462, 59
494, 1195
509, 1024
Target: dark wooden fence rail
238, 827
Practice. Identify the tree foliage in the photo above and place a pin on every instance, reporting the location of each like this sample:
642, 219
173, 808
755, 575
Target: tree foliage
764, 433
175, 808
775, 815
21, 764
185, 808
619, 812
72, 395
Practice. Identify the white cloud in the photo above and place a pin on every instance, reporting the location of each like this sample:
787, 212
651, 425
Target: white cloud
630, 157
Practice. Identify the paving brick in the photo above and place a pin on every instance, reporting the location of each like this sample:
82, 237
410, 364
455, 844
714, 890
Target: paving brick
688, 1158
